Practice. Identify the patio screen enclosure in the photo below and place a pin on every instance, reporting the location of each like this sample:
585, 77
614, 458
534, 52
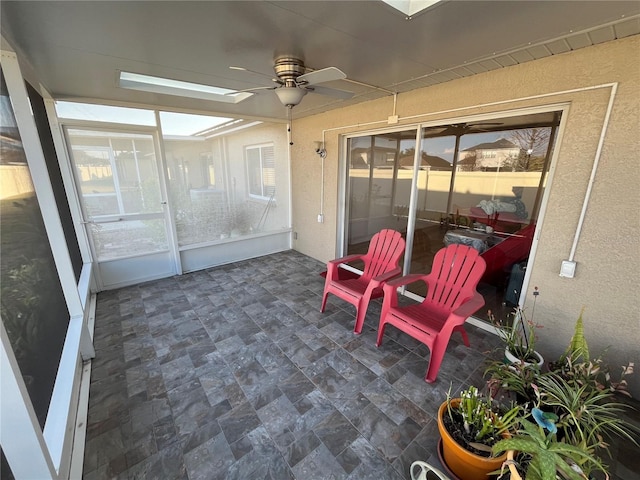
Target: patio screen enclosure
165, 193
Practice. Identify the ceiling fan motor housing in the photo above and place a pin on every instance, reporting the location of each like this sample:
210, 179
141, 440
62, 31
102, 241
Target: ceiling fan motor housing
289, 68
295, 82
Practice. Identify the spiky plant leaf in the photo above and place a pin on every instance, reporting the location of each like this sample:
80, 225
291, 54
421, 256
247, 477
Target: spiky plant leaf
578, 348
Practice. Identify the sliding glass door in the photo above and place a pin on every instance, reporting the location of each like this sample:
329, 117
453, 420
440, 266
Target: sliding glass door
379, 185
478, 184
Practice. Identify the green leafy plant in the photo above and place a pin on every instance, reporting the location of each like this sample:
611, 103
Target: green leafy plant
581, 414
504, 379
545, 455
578, 348
518, 334
576, 367
586, 416
479, 422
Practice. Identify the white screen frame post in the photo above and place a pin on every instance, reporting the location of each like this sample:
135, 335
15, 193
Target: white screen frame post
53, 446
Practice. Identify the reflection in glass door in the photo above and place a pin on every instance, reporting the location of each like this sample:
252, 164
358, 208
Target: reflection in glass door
379, 185
118, 182
476, 184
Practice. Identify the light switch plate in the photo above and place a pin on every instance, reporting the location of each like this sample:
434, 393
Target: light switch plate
568, 269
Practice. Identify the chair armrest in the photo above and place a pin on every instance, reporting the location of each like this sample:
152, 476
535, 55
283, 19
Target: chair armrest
469, 307
333, 265
387, 275
390, 289
406, 280
347, 259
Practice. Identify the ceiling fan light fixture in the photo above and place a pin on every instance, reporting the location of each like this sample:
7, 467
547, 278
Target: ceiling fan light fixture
290, 96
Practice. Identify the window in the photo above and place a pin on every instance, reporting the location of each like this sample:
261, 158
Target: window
261, 171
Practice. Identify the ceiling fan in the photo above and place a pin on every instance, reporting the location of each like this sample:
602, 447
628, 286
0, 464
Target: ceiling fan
294, 81
463, 128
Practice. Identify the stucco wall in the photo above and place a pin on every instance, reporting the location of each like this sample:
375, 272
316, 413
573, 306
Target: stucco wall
608, 253
235, 145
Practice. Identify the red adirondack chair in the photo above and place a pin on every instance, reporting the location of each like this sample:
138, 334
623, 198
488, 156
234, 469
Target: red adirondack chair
451, 298
380, 264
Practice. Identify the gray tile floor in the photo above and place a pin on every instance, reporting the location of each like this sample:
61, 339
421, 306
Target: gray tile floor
233, 373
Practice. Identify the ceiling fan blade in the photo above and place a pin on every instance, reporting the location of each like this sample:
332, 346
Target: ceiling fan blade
331, 92
242, 69
328, 74
250, 90
436, 132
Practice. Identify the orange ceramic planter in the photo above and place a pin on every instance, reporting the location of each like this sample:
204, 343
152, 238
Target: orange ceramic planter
464, 464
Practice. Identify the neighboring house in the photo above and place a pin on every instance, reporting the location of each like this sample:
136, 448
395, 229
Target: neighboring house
431, 162
383, 157
491, 156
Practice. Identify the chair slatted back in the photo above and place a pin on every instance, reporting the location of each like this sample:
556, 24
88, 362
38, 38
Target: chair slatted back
385, 249
457, 269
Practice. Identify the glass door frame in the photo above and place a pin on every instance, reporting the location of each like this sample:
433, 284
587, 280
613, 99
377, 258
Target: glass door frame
342, 230
173, 261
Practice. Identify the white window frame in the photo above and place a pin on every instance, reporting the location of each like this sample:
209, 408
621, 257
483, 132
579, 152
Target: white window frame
263, 187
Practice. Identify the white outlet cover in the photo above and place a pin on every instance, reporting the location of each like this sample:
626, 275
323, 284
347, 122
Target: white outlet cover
568, 269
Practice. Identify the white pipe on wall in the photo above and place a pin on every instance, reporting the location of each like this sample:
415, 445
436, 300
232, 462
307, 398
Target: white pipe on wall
322, 184
594, 168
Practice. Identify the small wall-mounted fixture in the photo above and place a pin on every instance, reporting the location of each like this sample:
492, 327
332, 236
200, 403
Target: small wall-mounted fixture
320, 149
568, 269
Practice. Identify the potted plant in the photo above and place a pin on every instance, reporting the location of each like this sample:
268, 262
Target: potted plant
585, 416
507, 381
576, 366
581, 392
469, 427
543, 456
575, 403
519, 338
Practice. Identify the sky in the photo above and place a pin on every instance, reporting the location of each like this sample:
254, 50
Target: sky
172, 123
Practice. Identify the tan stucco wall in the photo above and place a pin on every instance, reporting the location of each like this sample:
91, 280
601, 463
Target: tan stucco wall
607, 280
235, 146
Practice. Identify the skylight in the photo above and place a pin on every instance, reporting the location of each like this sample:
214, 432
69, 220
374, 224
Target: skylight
411, 7
148, 83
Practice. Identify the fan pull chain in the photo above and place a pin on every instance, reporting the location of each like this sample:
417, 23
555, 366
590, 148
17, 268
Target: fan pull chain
289, 117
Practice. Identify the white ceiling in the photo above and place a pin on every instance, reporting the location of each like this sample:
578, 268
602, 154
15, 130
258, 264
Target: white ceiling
77, 48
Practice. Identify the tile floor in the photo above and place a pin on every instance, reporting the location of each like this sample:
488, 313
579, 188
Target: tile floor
233, 373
